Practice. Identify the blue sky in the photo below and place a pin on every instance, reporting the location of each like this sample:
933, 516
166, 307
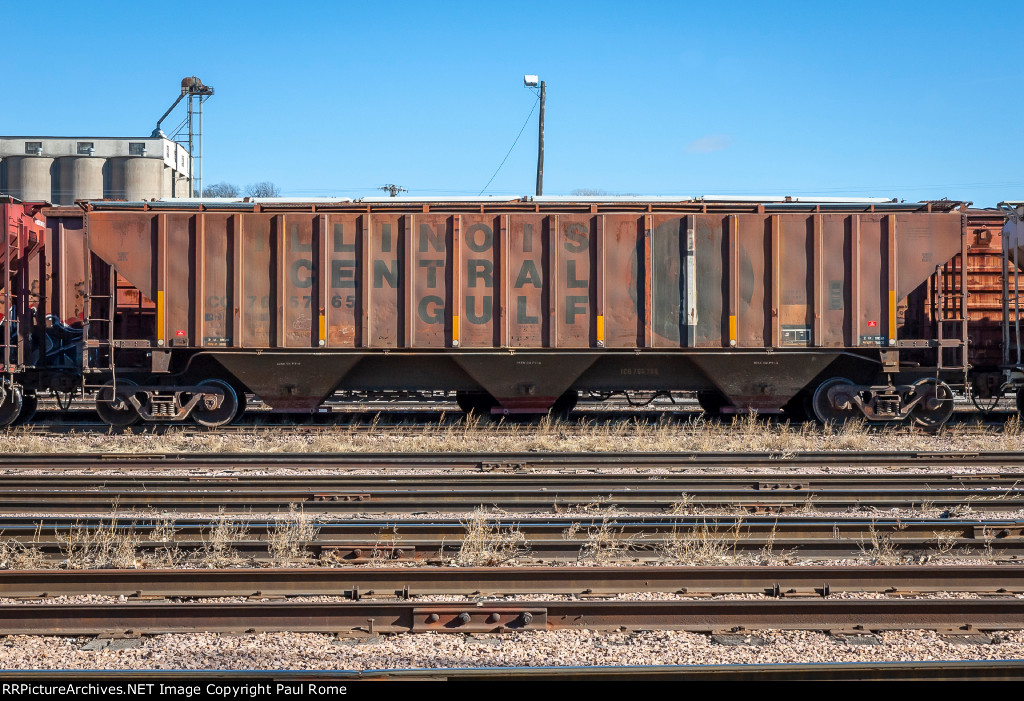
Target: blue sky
908, 100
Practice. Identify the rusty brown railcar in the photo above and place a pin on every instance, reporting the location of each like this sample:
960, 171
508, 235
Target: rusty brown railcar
941, 300
515, 304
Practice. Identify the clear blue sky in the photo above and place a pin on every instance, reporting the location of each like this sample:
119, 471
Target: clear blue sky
900, 99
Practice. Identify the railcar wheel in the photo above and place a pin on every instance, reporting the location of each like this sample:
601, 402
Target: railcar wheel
712, 402
113, 411
207, 415
243, 402
10, 407
29, 404
826, 406
936, 405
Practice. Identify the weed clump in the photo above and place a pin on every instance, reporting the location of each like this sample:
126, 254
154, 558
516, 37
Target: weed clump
604, 544
219, 542
486, 544
289, 539
105, 547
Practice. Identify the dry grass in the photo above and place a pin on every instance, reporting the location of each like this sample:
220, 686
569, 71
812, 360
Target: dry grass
701, 545
602, 506
945, 542
960, 511
219, 542
706, 545
288, 542
486, 544
683, 506
742, 433
928, 509
103, 547
604, 544
16, 555
383, 553
809, 505
167, 553
881, 550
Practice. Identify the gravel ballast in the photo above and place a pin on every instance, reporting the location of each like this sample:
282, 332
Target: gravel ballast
549, 648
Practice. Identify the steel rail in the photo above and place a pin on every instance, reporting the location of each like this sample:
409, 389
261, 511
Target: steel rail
582, 550
405, 582
702, 615
1004, 670
779, 481
25, 528
685, 461
986, 491
524, 498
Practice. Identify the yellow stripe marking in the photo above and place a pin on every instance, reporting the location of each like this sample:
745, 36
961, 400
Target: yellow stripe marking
323, 326
455, 327
600, 327
160, 315
732, 327
892, 314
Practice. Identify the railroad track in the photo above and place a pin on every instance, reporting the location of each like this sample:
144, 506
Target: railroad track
587, 493
1001, 482
585, 538
521, 493
942, 670
379, 583
509, 616
683, 461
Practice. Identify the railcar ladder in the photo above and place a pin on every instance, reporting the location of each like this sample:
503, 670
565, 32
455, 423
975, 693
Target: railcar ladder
18, 244
948, 300
100, 308
1011, 300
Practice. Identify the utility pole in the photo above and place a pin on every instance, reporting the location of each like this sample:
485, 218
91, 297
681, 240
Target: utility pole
540, 145
392, 190
532, 81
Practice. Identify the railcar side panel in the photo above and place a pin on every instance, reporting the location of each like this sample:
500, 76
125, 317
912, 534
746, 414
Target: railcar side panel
343, 305
836, 290
479, 267
573, 269
528, 300
384, 265
710, 288
430, 271
215, 239
623, 266
526, 280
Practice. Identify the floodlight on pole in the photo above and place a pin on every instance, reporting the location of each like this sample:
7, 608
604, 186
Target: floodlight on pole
532, 81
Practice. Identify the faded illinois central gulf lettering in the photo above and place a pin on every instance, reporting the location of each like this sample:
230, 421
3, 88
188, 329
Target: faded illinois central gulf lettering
479, 275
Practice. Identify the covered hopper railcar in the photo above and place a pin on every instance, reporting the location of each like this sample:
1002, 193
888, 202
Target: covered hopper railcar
812, 307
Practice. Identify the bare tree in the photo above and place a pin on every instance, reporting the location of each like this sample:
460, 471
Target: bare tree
264, 188
221, 190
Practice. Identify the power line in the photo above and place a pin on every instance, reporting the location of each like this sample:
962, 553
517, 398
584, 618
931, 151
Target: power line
512, 146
